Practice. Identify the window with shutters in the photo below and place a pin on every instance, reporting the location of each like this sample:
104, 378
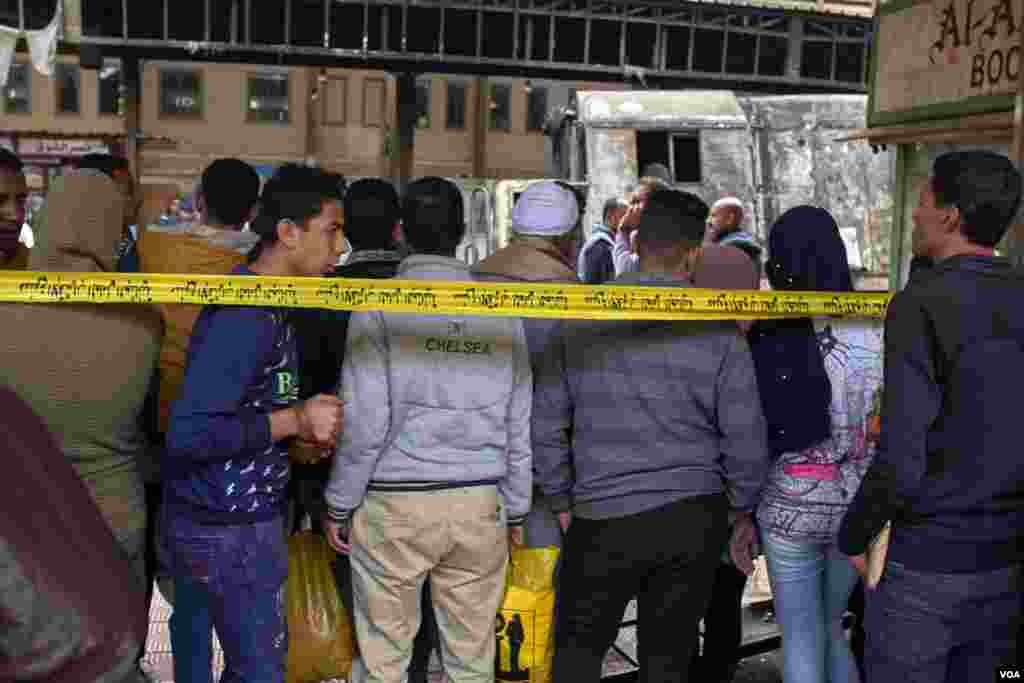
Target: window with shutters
335, 101
374, 92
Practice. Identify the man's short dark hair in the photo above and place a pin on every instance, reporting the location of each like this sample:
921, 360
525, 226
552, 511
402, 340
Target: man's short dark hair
296, 193
9, 161
671, 217
984, 186
372, 209
433, 216
230, 187
611, 205
106, 164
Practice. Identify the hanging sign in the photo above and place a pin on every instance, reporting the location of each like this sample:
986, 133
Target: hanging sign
939, 59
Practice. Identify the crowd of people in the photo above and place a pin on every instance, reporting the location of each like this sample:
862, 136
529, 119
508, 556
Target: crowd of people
662, 457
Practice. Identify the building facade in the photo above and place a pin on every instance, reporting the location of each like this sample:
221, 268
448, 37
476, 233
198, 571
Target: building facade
343, 119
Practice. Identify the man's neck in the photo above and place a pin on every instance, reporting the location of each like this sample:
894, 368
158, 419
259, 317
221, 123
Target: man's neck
431, 254
963, 249
272, 261
547, 246
651, 266
217, 225
725, 232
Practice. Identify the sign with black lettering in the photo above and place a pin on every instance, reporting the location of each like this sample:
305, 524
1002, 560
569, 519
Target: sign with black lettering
945, 58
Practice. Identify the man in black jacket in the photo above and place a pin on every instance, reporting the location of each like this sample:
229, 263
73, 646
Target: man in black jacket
949, 472
373, 228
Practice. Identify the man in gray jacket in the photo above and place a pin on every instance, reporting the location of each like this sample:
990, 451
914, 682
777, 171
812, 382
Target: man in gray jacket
651, 432
435, 465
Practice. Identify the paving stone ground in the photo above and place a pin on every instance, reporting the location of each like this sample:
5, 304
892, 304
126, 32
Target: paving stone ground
760, 669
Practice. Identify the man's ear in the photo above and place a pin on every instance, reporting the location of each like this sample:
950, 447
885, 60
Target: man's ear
397, 236
951, 221
288, 232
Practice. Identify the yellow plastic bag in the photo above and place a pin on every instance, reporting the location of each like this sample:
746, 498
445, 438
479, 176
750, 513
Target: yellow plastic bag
320, 638
524, 628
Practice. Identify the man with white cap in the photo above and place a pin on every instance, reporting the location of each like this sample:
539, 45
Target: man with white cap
725, 228
545, 235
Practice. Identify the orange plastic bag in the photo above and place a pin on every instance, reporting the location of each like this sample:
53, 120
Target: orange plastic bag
320, 639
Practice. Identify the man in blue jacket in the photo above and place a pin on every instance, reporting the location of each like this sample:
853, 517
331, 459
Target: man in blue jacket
227, 469
949, 471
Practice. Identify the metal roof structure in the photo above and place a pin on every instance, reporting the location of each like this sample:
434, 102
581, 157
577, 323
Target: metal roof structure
777, 45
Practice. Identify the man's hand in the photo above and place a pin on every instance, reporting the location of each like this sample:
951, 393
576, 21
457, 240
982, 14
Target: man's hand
309, 453
564, 520
320, 420
630, 220
515, 536
860, 563
337, 534
744, 536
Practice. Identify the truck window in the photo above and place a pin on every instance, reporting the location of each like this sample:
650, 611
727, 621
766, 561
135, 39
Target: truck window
686, 157
651, 148
679, 152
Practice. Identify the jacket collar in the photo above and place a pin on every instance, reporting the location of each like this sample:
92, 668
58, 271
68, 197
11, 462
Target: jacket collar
427, 267
651, 279
373, 255
528, 260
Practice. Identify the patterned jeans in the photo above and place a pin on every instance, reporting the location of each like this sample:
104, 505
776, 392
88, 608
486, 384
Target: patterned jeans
239, 571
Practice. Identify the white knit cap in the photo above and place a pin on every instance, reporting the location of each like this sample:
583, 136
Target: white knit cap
545, 209
728, 201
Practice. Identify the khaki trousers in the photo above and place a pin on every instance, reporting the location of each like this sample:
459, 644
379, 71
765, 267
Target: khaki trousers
456, 536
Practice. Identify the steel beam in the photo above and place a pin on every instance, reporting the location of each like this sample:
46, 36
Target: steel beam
526, 18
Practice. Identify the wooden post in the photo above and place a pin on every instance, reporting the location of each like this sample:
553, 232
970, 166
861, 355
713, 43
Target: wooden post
405, 147
132, 75
314, 100
1015, 240
482, 121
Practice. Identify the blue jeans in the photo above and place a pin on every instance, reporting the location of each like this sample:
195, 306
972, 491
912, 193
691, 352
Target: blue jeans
238, 573
811, 585
943, 628
190, 628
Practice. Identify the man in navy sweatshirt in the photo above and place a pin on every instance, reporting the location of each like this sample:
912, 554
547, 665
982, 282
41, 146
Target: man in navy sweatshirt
949, 471
227, 465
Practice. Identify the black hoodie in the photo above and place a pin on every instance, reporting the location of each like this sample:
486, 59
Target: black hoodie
949, 471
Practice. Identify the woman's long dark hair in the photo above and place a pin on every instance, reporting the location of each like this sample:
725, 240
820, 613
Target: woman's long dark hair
806, 253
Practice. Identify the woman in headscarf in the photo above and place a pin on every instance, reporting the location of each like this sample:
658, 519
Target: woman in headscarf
722, 267
816, 379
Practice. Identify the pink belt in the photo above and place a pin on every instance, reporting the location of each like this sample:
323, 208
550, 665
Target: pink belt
812, 471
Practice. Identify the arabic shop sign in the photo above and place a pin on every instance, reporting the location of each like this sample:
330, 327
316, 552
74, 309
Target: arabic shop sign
941, 58
61, 147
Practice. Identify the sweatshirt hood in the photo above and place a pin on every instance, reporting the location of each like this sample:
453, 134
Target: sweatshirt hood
81, 226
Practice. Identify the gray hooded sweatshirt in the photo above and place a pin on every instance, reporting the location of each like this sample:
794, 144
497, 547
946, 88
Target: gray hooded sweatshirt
434, 402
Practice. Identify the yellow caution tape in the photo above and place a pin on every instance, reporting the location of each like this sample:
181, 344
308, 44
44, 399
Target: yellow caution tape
528, 300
